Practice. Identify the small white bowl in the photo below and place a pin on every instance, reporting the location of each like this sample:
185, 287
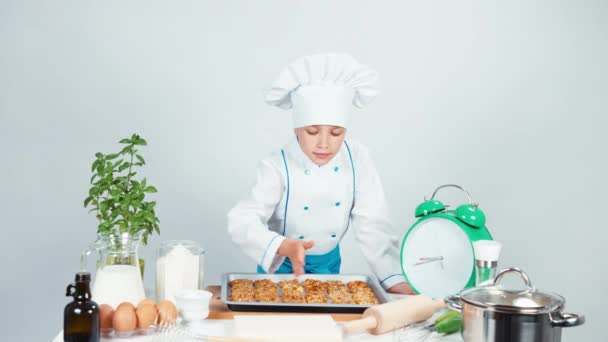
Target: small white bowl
193, 305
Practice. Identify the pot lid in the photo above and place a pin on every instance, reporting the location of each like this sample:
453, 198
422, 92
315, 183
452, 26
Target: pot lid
497, 298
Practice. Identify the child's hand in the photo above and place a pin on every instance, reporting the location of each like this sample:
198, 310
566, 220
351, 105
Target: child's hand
401, 288
295, 250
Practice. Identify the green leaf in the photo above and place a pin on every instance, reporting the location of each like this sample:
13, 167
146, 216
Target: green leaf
103, 187
115, 213
99, 155
112, 156
116, 164
150, 218
140, 142
124, 166
103, 206
150, 189
143, 183
87, 201
125, 141
93, 178
94, 165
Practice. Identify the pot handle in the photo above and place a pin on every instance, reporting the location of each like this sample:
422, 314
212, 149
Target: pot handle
565, 320
454, 302
519, 271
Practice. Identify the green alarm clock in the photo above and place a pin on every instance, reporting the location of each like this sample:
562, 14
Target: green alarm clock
437, 256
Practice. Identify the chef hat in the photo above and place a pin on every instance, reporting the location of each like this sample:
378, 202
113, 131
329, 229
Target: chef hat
322, 89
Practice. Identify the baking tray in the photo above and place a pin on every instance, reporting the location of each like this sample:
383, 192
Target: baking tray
378, 291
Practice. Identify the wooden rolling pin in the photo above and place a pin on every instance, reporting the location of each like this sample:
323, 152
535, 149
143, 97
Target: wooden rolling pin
379, 319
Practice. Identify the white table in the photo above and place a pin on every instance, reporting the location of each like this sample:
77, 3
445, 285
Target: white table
224, 327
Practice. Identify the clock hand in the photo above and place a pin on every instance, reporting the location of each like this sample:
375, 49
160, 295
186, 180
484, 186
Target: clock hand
426, 260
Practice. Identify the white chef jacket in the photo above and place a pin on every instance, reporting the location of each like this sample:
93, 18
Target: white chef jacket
295, 198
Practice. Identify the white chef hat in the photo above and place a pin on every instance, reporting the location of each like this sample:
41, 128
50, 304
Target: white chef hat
322, 89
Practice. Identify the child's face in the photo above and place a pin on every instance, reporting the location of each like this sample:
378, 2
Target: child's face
320, 142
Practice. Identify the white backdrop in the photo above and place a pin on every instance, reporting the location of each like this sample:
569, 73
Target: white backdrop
507, 98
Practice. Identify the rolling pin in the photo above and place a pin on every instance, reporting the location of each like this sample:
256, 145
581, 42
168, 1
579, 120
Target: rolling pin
379, 319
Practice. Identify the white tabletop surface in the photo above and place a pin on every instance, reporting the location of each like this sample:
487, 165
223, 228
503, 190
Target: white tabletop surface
224, 327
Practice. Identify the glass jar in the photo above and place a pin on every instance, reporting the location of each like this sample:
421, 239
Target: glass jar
179, 265
118, 276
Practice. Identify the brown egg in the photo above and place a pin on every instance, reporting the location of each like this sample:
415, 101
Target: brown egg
105, 316
167, 312
124, 318
125, 304
146, 301
146, 315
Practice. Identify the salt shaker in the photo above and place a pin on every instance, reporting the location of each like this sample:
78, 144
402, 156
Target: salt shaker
486, 261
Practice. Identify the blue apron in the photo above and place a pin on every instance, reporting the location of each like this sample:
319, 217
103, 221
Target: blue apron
318, 264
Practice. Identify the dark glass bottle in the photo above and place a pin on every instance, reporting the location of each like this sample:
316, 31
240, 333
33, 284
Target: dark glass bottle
81, 316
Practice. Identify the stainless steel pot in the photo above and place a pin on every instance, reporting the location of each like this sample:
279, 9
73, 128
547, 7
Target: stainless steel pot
493, 314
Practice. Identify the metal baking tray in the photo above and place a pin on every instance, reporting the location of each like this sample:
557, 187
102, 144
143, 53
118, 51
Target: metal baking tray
378, 291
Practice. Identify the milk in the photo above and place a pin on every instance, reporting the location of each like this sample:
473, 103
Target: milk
176, 270
115, 284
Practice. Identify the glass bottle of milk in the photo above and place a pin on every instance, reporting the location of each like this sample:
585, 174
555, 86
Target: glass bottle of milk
179, 265
118, 278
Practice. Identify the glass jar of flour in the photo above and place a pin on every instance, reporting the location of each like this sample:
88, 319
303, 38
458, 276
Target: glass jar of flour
179, 265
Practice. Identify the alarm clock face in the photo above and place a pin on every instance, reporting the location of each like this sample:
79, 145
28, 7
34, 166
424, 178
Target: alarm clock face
437, 257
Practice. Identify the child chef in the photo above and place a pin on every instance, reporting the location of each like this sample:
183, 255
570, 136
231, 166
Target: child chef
309, 193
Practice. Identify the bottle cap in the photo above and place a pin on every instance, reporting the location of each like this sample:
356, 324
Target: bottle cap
487, 250
83, 276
